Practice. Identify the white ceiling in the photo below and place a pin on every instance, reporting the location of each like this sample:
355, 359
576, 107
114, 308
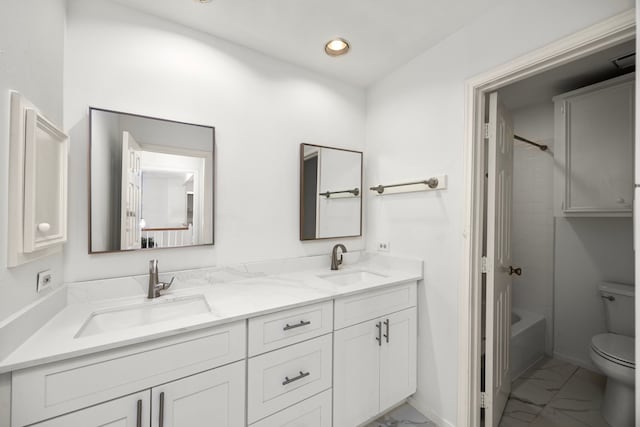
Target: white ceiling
383, 34
585, 71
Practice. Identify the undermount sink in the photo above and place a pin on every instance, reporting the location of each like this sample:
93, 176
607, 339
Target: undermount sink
346, 278
114, 319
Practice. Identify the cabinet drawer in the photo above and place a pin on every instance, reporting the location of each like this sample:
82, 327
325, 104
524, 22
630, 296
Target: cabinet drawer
370, 305
56, 388
286, 376
288, 327
125, 411
313, 412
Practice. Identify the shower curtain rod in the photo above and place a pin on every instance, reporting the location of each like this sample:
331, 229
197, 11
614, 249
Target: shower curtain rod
540, 146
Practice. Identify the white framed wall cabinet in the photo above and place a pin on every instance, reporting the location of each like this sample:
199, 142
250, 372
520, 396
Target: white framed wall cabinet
37, 184
594, 135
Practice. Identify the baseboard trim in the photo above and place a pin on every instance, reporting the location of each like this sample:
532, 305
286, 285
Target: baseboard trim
427, 412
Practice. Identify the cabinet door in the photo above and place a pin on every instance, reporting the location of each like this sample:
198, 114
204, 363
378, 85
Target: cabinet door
128, 411
398, 358
598, 133
356, 378
213, 398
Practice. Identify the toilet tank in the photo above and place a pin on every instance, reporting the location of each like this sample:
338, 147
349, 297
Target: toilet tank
619, 306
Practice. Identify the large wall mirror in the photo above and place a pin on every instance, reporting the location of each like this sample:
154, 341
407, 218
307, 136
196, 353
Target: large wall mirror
151, 182
330, 192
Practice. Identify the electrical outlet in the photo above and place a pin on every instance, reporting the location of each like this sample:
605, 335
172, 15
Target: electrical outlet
45, 278
384, 246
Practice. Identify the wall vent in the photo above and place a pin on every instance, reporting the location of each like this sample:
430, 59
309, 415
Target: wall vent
625, 61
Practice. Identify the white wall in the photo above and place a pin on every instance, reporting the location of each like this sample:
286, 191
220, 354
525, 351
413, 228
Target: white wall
532, 231
588, 251
31, 62
262, 109
415, 123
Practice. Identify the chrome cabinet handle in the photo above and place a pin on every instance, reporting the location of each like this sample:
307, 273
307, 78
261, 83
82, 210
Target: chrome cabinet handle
386, 323
517, 271
139, 414
161, 421
297, 325
288, 380
379, 337
609, 297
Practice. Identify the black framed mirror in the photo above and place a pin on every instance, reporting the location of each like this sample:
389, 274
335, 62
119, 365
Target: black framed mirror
151, 182
330, 192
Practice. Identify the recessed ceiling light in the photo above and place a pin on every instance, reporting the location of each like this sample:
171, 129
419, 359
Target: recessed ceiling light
336, 47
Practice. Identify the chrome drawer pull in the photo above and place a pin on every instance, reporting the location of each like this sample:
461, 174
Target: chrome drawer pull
288, 380
161, 415
139, 414
297, 325
379, 337
386, 323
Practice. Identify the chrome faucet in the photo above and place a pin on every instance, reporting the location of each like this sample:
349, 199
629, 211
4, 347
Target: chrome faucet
155, 286
335, 262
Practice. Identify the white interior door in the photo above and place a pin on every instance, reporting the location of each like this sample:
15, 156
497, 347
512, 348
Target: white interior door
498, 298
131, 196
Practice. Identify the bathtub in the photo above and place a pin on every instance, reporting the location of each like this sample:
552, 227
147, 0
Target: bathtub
527, 340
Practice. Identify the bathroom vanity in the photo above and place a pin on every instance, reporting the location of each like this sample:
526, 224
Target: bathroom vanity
235, 346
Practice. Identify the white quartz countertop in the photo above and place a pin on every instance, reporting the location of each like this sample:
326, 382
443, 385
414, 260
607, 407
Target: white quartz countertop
231, 293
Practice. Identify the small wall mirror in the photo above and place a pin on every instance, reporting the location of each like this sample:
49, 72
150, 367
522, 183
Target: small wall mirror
330, 192
151, 182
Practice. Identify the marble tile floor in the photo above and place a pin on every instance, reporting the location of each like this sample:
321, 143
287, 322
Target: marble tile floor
403, 416
553, 393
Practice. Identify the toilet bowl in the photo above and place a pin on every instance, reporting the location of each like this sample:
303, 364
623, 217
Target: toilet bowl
614, 354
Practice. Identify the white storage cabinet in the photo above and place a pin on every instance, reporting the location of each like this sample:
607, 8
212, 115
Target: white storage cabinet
594, 137
181, 381
374, 360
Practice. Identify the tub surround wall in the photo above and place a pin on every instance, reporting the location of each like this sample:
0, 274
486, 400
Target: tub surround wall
262, 109
415, 128
532, 231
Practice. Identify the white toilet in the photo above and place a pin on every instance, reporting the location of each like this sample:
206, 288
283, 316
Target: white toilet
613, 353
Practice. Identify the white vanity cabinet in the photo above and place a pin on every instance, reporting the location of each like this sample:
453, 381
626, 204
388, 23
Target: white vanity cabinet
189, 368
212, 398
128, 411
375, 359
594, 136
288, 386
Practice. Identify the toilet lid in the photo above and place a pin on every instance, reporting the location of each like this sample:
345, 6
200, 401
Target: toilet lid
615, 347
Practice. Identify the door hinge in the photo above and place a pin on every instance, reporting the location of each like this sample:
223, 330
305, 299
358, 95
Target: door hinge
486, 131
483, 399
483, 265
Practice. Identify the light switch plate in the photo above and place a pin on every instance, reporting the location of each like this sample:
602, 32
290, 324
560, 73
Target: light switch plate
45, 278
